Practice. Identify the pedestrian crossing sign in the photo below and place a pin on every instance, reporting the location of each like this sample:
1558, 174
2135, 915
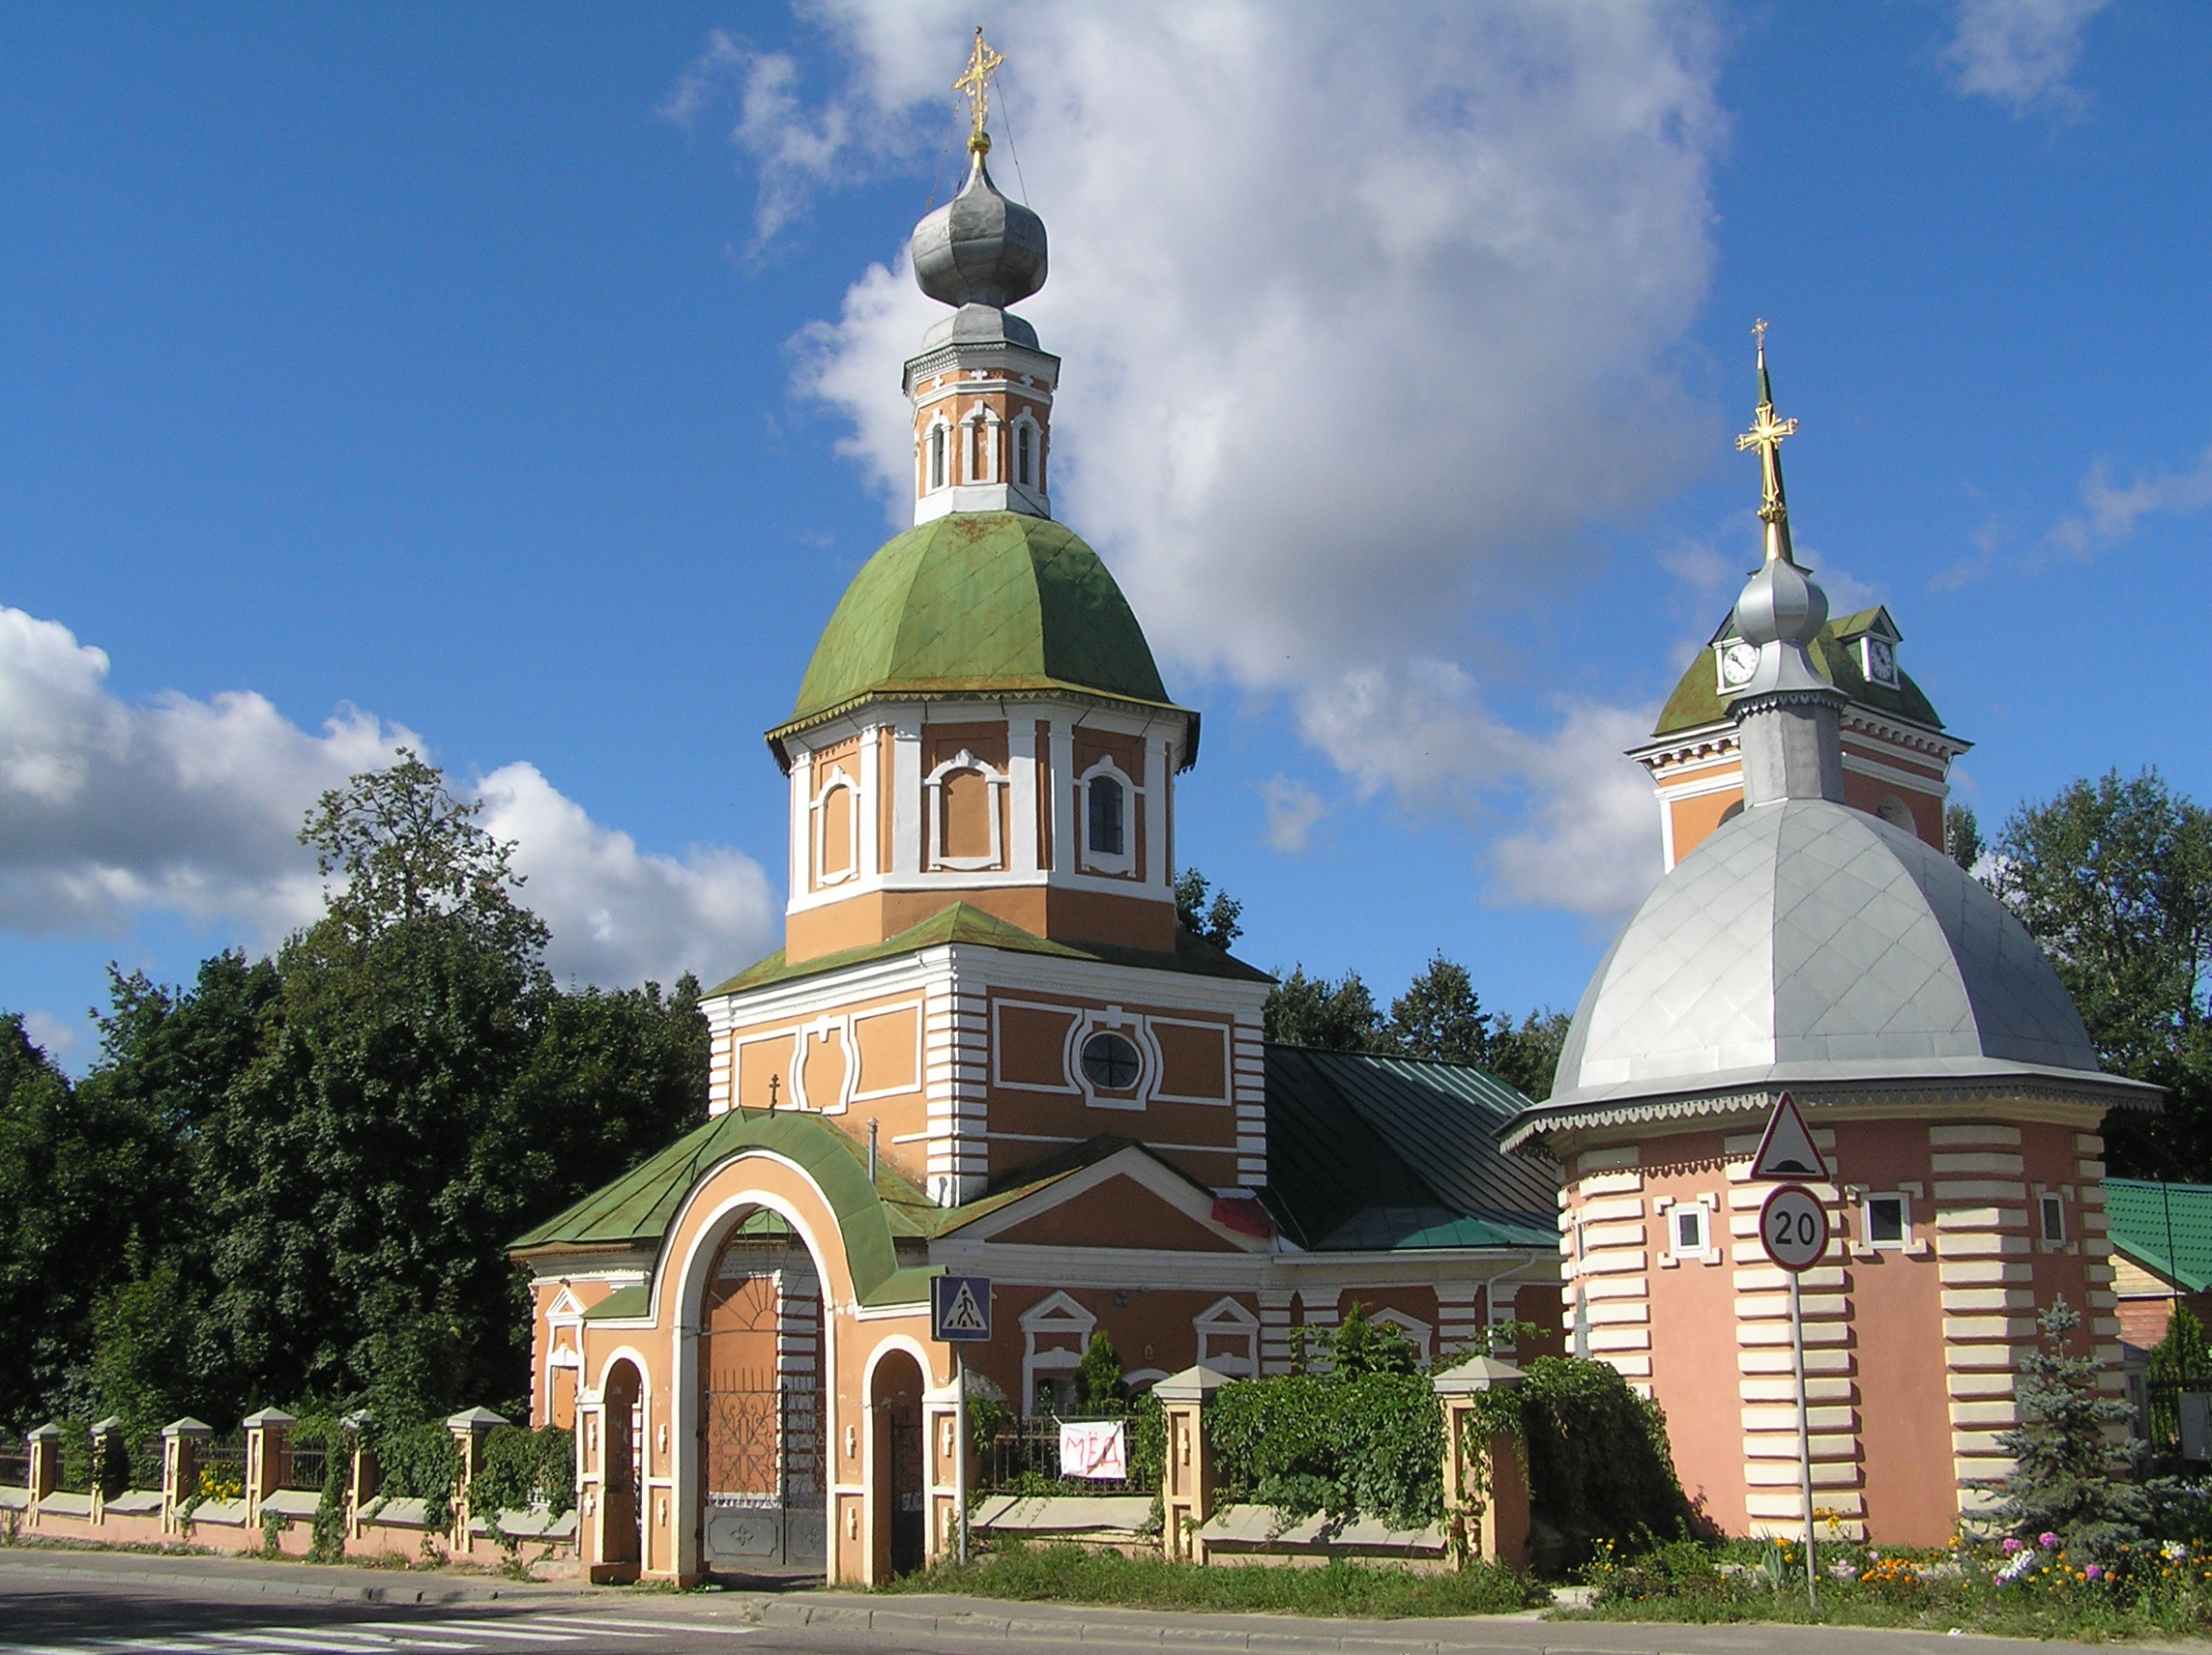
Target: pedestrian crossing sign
960, 1309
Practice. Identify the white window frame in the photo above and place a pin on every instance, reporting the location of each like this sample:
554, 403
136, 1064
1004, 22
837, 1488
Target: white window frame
937, 455
820, 813
2048, 1206
995, 782
1132, 800
1418, 1333
1034, 481
1904, 1220
1132, 1027
1055, 1318
1227, 1320
1670, 1215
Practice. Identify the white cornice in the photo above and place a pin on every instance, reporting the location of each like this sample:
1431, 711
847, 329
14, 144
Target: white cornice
1029, 1264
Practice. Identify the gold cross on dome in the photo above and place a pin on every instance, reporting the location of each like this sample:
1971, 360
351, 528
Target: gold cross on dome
982, 63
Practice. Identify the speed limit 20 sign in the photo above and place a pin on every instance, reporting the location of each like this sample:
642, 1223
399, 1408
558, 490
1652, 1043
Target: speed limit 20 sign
1793, 1227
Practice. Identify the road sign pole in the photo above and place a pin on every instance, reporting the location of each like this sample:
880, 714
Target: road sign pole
1804, 1435
960, 1442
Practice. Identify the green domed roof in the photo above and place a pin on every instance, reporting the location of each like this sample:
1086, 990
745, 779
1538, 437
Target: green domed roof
978, 604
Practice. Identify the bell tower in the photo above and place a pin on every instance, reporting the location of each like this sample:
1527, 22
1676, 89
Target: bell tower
981, 387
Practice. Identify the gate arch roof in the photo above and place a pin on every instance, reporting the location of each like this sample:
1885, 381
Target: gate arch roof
635, 1211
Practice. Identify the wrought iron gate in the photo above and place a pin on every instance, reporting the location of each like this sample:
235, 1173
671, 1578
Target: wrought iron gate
760, 1441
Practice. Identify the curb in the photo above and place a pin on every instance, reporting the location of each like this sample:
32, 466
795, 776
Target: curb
1155, 1630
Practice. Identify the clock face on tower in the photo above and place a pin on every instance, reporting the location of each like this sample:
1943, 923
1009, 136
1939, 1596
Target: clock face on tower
1880, 660
1738, 661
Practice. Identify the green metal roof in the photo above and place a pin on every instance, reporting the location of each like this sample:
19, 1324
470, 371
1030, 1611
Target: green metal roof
1369, 1154
636, 1209
2165, 1228
1697, 699
980, 603
962, 924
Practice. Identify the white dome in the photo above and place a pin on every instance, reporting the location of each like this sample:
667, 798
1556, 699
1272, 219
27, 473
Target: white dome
1806, 942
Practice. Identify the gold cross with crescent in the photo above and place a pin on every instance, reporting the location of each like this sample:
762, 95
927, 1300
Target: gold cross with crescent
982, 63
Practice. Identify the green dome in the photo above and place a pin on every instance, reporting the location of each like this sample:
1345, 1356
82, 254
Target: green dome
978, 604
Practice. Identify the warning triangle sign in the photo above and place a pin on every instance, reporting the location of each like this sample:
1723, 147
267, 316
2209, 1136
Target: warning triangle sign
1788, 1151
964, 1315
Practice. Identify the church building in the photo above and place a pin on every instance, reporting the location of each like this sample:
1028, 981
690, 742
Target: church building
987, 1049
1812, 937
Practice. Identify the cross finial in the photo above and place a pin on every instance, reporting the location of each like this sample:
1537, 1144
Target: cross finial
772, 1088
1766, 435
975, 81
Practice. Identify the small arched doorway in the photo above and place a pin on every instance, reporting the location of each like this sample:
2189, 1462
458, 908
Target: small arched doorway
901, 1501
619, 1502
760, 1341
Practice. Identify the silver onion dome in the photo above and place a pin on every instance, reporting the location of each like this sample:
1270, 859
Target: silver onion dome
979, 248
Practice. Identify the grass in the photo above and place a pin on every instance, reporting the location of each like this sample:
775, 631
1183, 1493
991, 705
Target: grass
1076, 1574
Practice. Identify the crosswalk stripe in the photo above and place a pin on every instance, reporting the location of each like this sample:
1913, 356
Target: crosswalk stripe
469, 1629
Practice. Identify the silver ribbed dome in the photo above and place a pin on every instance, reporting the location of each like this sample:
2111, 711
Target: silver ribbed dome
1805, 942
979, 248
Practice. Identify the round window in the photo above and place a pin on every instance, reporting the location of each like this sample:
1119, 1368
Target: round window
1111, 1061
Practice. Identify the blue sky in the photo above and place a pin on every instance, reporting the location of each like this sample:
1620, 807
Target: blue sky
516, 380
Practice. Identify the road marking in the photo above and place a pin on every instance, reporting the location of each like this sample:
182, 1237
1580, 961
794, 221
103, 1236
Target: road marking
469, 1629
660, 1628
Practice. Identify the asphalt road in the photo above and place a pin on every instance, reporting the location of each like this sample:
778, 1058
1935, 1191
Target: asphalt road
68, 1602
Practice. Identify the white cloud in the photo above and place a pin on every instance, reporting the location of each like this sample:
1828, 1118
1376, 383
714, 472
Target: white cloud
2109, 512
193, 809
51, 1034
2021, 54
1365, 315
1294, 810
619, 914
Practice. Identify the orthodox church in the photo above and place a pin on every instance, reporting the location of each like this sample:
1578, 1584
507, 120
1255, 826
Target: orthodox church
987, 1049
1812, 937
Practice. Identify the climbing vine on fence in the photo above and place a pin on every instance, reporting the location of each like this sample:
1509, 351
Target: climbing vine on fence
521, 1468
419, 1462
1599, 1464
1342, 1445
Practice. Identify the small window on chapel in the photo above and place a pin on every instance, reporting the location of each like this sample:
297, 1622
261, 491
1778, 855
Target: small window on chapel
1106, 807
2053, 1219
1022, 469
1883, 1220
1688, 1224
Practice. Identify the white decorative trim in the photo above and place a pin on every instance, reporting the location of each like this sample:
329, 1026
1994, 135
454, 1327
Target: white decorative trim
1227, 1061
819, 814
1072, 1013
1057, 1317
1091, 858
995, 782
1228, 1320
1131, 1026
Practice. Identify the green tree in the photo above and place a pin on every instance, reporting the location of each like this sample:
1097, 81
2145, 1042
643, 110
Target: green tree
2068, 1477
78, 1169
2181, 1354
1219, 921
1098, 1376
1963, 836
1440, 1015
1526, 1056
1362, 1345
1313, 1012
370, 1165
2114, 879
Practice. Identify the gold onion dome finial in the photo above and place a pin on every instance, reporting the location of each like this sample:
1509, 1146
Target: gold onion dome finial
979, 248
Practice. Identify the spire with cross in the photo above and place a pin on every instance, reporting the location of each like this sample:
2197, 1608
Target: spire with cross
975, 81
1766, 435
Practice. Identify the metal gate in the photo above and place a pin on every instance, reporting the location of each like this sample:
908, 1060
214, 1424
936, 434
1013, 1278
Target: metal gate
759, 1438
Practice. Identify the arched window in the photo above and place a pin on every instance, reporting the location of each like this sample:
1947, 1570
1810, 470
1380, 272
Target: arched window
1022, 468
1896, 812
1107, 807
937, 456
